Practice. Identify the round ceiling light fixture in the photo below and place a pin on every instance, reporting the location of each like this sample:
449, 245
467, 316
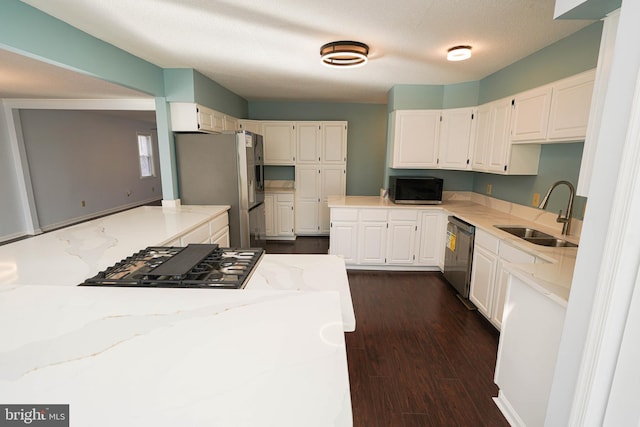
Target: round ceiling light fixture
344, 54
459, 53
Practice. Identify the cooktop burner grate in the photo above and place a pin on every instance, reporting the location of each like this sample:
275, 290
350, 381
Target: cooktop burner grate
193, 266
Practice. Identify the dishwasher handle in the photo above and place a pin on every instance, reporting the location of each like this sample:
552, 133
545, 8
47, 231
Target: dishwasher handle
461, 225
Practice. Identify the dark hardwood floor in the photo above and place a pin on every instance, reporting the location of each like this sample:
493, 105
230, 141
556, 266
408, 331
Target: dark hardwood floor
418, 357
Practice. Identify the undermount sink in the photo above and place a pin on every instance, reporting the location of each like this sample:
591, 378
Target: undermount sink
553, 241
536, 236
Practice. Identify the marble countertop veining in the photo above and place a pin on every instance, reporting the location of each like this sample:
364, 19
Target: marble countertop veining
553, 276
70, 255
166, 357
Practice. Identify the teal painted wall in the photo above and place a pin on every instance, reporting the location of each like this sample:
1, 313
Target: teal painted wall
179, 84
211, 94
30, 32
366, 146
569, 56
557, 162
461, 95
415, 97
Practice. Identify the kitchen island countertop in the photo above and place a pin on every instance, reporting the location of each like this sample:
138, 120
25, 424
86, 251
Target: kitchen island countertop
170, 357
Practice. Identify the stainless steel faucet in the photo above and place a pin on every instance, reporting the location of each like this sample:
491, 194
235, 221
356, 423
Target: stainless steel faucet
566, 219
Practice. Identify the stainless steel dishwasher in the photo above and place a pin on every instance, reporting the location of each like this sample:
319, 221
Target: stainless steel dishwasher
458, 257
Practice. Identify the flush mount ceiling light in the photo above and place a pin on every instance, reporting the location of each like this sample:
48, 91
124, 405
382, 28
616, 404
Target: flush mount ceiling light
459, 53
344, 54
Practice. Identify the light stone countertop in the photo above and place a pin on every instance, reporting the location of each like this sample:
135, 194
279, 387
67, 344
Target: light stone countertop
70, 255
176, 357
279, 186
552, 276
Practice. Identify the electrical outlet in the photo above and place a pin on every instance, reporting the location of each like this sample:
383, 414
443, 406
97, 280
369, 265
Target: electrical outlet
536, 199
489, 188
83, 203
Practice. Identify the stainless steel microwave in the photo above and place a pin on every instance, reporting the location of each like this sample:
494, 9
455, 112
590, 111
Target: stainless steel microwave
416, 190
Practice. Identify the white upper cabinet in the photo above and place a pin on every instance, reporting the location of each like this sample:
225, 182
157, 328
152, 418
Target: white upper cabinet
414, 140
454, 139
191, 117
531, 114
480, 147
570, 105
309, 139
253, 126
558, 112
334, 143
279, 142
230, 123
493, 150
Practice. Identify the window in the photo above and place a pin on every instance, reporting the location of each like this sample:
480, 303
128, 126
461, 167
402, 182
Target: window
145, 151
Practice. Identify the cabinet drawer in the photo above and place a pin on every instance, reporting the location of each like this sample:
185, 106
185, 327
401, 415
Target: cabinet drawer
344, 214
373, 215
487, 241
199, 235
403, 215
218, 223
510, 254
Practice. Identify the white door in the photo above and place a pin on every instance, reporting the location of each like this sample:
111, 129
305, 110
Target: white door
483, 277
415, 138
279, 143
401, 242
308, 135
500, 135
455, 137
480, 153
334, 143
284, 223
531, 115
372, 242
332, 183
428, 244
307, 199
269, 213
344, 240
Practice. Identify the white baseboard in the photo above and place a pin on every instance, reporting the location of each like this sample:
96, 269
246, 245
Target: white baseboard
507, 410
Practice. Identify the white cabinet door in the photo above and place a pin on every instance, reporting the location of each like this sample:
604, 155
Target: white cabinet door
507, 254
307, 199
455, 138
222, 238
372, 236
284, 215
334, 143
570, 107
483, 277
344, 240
279, 142
253, 126
428, 245
372, 242
332, 183
531, 114
308, 140
269, 214
230, 123
500, 128
480, 153
401, 238
415, 138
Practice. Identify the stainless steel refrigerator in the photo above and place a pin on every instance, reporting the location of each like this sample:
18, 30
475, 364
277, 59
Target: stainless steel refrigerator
225, 169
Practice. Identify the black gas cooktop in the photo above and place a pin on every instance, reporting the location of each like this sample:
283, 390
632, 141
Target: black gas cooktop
193, 266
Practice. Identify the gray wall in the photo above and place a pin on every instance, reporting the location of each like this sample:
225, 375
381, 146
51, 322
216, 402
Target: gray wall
85, 155
11, 222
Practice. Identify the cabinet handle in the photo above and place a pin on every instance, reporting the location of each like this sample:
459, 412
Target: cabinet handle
505, 168
318, 158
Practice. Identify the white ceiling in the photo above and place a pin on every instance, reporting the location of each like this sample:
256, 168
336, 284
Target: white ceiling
269, 49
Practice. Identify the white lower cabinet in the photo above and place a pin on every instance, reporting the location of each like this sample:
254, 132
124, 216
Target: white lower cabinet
279, 215
343, 237
215, 231
401, 237
387, 237
489, 277
372, 236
